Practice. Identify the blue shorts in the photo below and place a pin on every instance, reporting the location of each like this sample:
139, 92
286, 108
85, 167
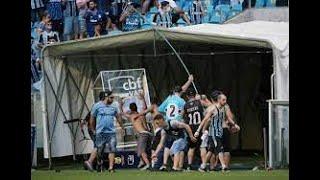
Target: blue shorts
178, 146
82, 24
71, 25
108, 140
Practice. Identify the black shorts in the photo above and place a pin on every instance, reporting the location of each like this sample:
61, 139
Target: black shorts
169, 141
215, 145
194, 144
226, 140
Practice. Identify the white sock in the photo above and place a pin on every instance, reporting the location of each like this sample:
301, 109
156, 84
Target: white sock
203, 166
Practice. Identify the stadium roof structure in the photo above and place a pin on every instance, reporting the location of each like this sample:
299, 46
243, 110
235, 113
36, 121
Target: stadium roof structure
71, 67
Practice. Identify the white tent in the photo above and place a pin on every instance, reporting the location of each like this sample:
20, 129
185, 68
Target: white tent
71, 67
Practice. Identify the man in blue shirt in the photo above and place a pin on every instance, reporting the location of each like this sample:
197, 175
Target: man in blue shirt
96, 20
103, 115
130, 19
173, 107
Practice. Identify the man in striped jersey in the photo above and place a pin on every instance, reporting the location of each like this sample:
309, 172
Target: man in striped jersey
214, 118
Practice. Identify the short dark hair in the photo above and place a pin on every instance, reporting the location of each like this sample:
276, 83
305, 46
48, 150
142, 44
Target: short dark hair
133, 106
164, 3
176, 89
155, 100
91, 1
191, 92
44, 14
215, 94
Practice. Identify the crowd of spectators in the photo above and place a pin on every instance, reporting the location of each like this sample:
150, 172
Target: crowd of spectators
63, 20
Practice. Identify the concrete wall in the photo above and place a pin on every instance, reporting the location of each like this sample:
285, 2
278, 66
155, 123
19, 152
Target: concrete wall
277, 14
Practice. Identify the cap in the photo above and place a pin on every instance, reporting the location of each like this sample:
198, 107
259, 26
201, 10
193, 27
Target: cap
104, 94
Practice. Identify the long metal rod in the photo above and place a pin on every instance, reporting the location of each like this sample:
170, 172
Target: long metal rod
178, 56
272, 85
173, 49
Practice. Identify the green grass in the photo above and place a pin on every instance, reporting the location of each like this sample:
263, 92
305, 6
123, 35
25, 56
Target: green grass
138, 175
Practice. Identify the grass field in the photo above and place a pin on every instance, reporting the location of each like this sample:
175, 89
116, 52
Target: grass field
138, 175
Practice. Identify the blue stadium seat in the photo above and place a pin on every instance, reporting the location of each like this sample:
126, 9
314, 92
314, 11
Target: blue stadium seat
235, 9
181, 23
263, 3
153, 10
215, 17
149, 18
209, 12
224, 10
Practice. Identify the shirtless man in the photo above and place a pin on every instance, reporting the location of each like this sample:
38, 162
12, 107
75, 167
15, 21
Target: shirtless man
144, 136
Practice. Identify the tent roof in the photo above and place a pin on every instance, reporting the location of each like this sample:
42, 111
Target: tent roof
251, 34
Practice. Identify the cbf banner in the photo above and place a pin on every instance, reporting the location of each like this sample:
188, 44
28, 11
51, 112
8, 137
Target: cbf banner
126, 85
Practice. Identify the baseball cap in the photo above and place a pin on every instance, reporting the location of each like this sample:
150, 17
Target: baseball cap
104, 94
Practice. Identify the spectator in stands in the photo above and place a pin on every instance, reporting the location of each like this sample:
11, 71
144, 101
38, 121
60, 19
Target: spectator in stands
82, 7
37, 8
35, 76
102, 5
71, 24
48, 36
39, 29
196, 12
130, 19
45, 18
146, 4
97, 21
177, 11
54, 8
163, 18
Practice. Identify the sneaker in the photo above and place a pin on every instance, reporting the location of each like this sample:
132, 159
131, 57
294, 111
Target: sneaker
141, 164
188, 169
111, 170
202, 169
88, 166
146, 167
176, 170
163, 168
225, 169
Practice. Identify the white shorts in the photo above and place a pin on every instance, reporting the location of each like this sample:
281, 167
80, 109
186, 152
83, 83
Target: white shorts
204, 142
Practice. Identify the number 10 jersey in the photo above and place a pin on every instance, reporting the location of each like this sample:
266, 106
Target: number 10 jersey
193, 114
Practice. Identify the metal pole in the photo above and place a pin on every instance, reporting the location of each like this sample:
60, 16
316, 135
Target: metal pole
265, 147
249, 2
173, 49
272, 85
178, 56
270, 135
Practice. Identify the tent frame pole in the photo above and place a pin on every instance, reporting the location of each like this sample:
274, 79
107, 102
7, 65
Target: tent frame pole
178, 56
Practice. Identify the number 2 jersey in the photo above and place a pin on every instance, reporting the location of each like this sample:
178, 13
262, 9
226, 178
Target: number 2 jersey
193, 114
173, 107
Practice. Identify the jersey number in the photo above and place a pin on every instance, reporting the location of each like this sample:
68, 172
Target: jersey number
194, 118
173, 108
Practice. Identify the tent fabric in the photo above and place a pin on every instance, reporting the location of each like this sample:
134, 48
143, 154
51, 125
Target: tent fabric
70, 69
